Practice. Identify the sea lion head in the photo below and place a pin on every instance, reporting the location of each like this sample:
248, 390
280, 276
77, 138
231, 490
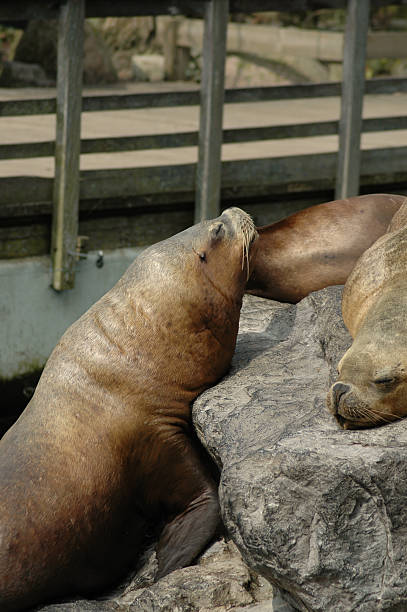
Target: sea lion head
215, 252
184, 295
220, 243
371, 389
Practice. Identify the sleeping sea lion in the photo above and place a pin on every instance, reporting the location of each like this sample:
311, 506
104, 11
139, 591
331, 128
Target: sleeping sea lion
372, 383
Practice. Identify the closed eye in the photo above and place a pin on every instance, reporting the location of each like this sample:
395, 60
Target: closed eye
385, 381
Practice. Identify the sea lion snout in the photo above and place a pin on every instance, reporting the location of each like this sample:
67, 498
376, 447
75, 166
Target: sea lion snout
344, 403
336, 392
339, 389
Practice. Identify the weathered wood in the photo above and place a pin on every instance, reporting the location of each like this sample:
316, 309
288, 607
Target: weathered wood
34, 9
211, 111
190, 139
114, 223
179, 179
170, 48
353, 86
14, 108
67, 146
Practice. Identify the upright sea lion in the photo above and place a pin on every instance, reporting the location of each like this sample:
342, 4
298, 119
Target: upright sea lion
372, 383
105, 440
318, 246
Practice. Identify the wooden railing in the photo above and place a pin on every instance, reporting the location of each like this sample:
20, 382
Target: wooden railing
70, 185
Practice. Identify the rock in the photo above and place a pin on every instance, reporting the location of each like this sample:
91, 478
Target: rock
319, 511
126, 36
81, 605
129, 33
97, 60
220, 581
22, 74
148, 67
38, 45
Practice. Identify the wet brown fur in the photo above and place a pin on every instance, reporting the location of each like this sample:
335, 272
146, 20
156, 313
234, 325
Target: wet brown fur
372, 384
318, 246
105, 445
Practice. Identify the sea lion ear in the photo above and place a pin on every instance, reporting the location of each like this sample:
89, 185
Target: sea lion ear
217, 231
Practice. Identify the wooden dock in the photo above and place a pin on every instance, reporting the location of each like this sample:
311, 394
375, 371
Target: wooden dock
210, 176
111, 125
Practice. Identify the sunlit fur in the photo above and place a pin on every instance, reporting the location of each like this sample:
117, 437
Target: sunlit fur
105, 443
371, 388
249, 234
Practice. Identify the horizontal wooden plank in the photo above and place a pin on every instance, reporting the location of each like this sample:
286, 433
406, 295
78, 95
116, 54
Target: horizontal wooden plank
39, 106
236, 175
190, 139
25, 189
21, 10
192, 97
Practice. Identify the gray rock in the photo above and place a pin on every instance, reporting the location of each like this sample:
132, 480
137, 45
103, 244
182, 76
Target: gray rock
23, 74
317, 510
38, 45
148, 67
218, 582
81, 605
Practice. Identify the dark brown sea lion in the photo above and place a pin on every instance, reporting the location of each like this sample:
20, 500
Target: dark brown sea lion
105, 440
318, 246
372, 383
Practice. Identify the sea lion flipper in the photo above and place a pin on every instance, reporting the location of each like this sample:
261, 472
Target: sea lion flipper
186, 535
195, 522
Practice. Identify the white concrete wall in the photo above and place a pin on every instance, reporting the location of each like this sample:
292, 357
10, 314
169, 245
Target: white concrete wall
33, 316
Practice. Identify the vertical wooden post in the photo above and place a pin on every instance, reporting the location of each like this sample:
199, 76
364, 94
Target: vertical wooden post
207, 203
170, 48
353, 86
67, 150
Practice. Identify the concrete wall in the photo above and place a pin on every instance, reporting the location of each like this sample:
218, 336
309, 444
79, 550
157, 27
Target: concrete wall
33, 316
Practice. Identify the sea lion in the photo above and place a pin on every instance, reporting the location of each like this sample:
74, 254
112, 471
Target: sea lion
106, 439
372, 385
318, 246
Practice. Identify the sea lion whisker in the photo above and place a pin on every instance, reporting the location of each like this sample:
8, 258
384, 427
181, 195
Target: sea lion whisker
247, 231
370, 413
364, 412
390, 414
244, 245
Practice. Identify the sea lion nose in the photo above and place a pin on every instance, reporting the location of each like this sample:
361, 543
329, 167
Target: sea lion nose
339, 389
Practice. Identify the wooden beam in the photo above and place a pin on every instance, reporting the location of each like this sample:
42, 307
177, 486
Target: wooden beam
207, 203
21, 107
101, 190
353, 87
20, 10
67, 146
